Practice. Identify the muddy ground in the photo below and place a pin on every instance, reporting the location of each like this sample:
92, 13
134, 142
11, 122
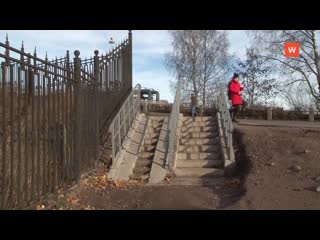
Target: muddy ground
277, 169
282, 165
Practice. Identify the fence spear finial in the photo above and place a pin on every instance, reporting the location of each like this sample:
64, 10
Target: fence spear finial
22, 47
7, 39
35, 50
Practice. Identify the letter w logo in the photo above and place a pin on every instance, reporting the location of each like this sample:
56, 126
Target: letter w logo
292, 49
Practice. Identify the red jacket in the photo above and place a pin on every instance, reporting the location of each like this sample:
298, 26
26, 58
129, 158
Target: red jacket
235, 89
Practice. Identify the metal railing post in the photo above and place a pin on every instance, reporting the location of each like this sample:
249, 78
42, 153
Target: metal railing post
96, 105
226, 123
76, 140
172, 128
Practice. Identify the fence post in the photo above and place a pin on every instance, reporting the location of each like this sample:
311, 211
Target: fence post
30, 81
96, 104
269, 113
68, 71
311, 114
77, 82
130, 59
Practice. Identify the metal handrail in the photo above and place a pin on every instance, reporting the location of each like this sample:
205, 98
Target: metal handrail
226, 123
172, 127
121, 123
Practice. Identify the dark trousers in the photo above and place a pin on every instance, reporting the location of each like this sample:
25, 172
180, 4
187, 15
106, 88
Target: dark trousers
233, 111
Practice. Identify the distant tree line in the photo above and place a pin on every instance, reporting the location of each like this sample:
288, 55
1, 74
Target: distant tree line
201, 61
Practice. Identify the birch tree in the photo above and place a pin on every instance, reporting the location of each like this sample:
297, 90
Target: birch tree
198, 60
305, 69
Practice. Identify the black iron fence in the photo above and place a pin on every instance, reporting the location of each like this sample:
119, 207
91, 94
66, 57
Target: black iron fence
54, 115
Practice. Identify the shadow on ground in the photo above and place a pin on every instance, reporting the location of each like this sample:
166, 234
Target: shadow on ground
234, 186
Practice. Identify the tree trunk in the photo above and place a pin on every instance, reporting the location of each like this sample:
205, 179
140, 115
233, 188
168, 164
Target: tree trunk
316, 56
205, 73
194, 67
252, 92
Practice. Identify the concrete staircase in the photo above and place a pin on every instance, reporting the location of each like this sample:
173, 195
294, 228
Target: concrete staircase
143, 164
199, 160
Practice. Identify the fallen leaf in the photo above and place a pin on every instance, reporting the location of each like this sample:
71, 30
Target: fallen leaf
104, 178
73, 201
116, 183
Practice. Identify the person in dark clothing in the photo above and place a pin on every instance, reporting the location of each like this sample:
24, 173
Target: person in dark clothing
193, 105
235, 90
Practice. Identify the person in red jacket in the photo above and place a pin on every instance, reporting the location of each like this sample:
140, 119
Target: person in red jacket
235, 90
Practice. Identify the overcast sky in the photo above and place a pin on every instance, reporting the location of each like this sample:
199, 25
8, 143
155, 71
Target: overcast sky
149, 47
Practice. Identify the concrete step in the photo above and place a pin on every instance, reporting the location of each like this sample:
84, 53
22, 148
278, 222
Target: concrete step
191, 181
143, 163
198, 156
198, 119
139, 177
148, 148
150, 141
199, 129
156, 123
198, 148
199, 172
151, 135
199, 124
199, 134
200, 163
139, 171
146, 155
198, 141
154, 126
154, 130
157, 118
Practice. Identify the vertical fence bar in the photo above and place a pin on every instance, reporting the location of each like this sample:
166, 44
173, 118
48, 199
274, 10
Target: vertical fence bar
83, 128
67, 115
44, 127
58, 133
35, 131
26, 112
11, 138
130, 58
49, 141
4, 135
63, 133
72, 119
22, 67
96, 106
38, 131
53, 130
32, 77
19, 138
77, 79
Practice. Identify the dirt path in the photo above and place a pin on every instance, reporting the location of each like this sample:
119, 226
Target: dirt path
282, 164
266, 179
